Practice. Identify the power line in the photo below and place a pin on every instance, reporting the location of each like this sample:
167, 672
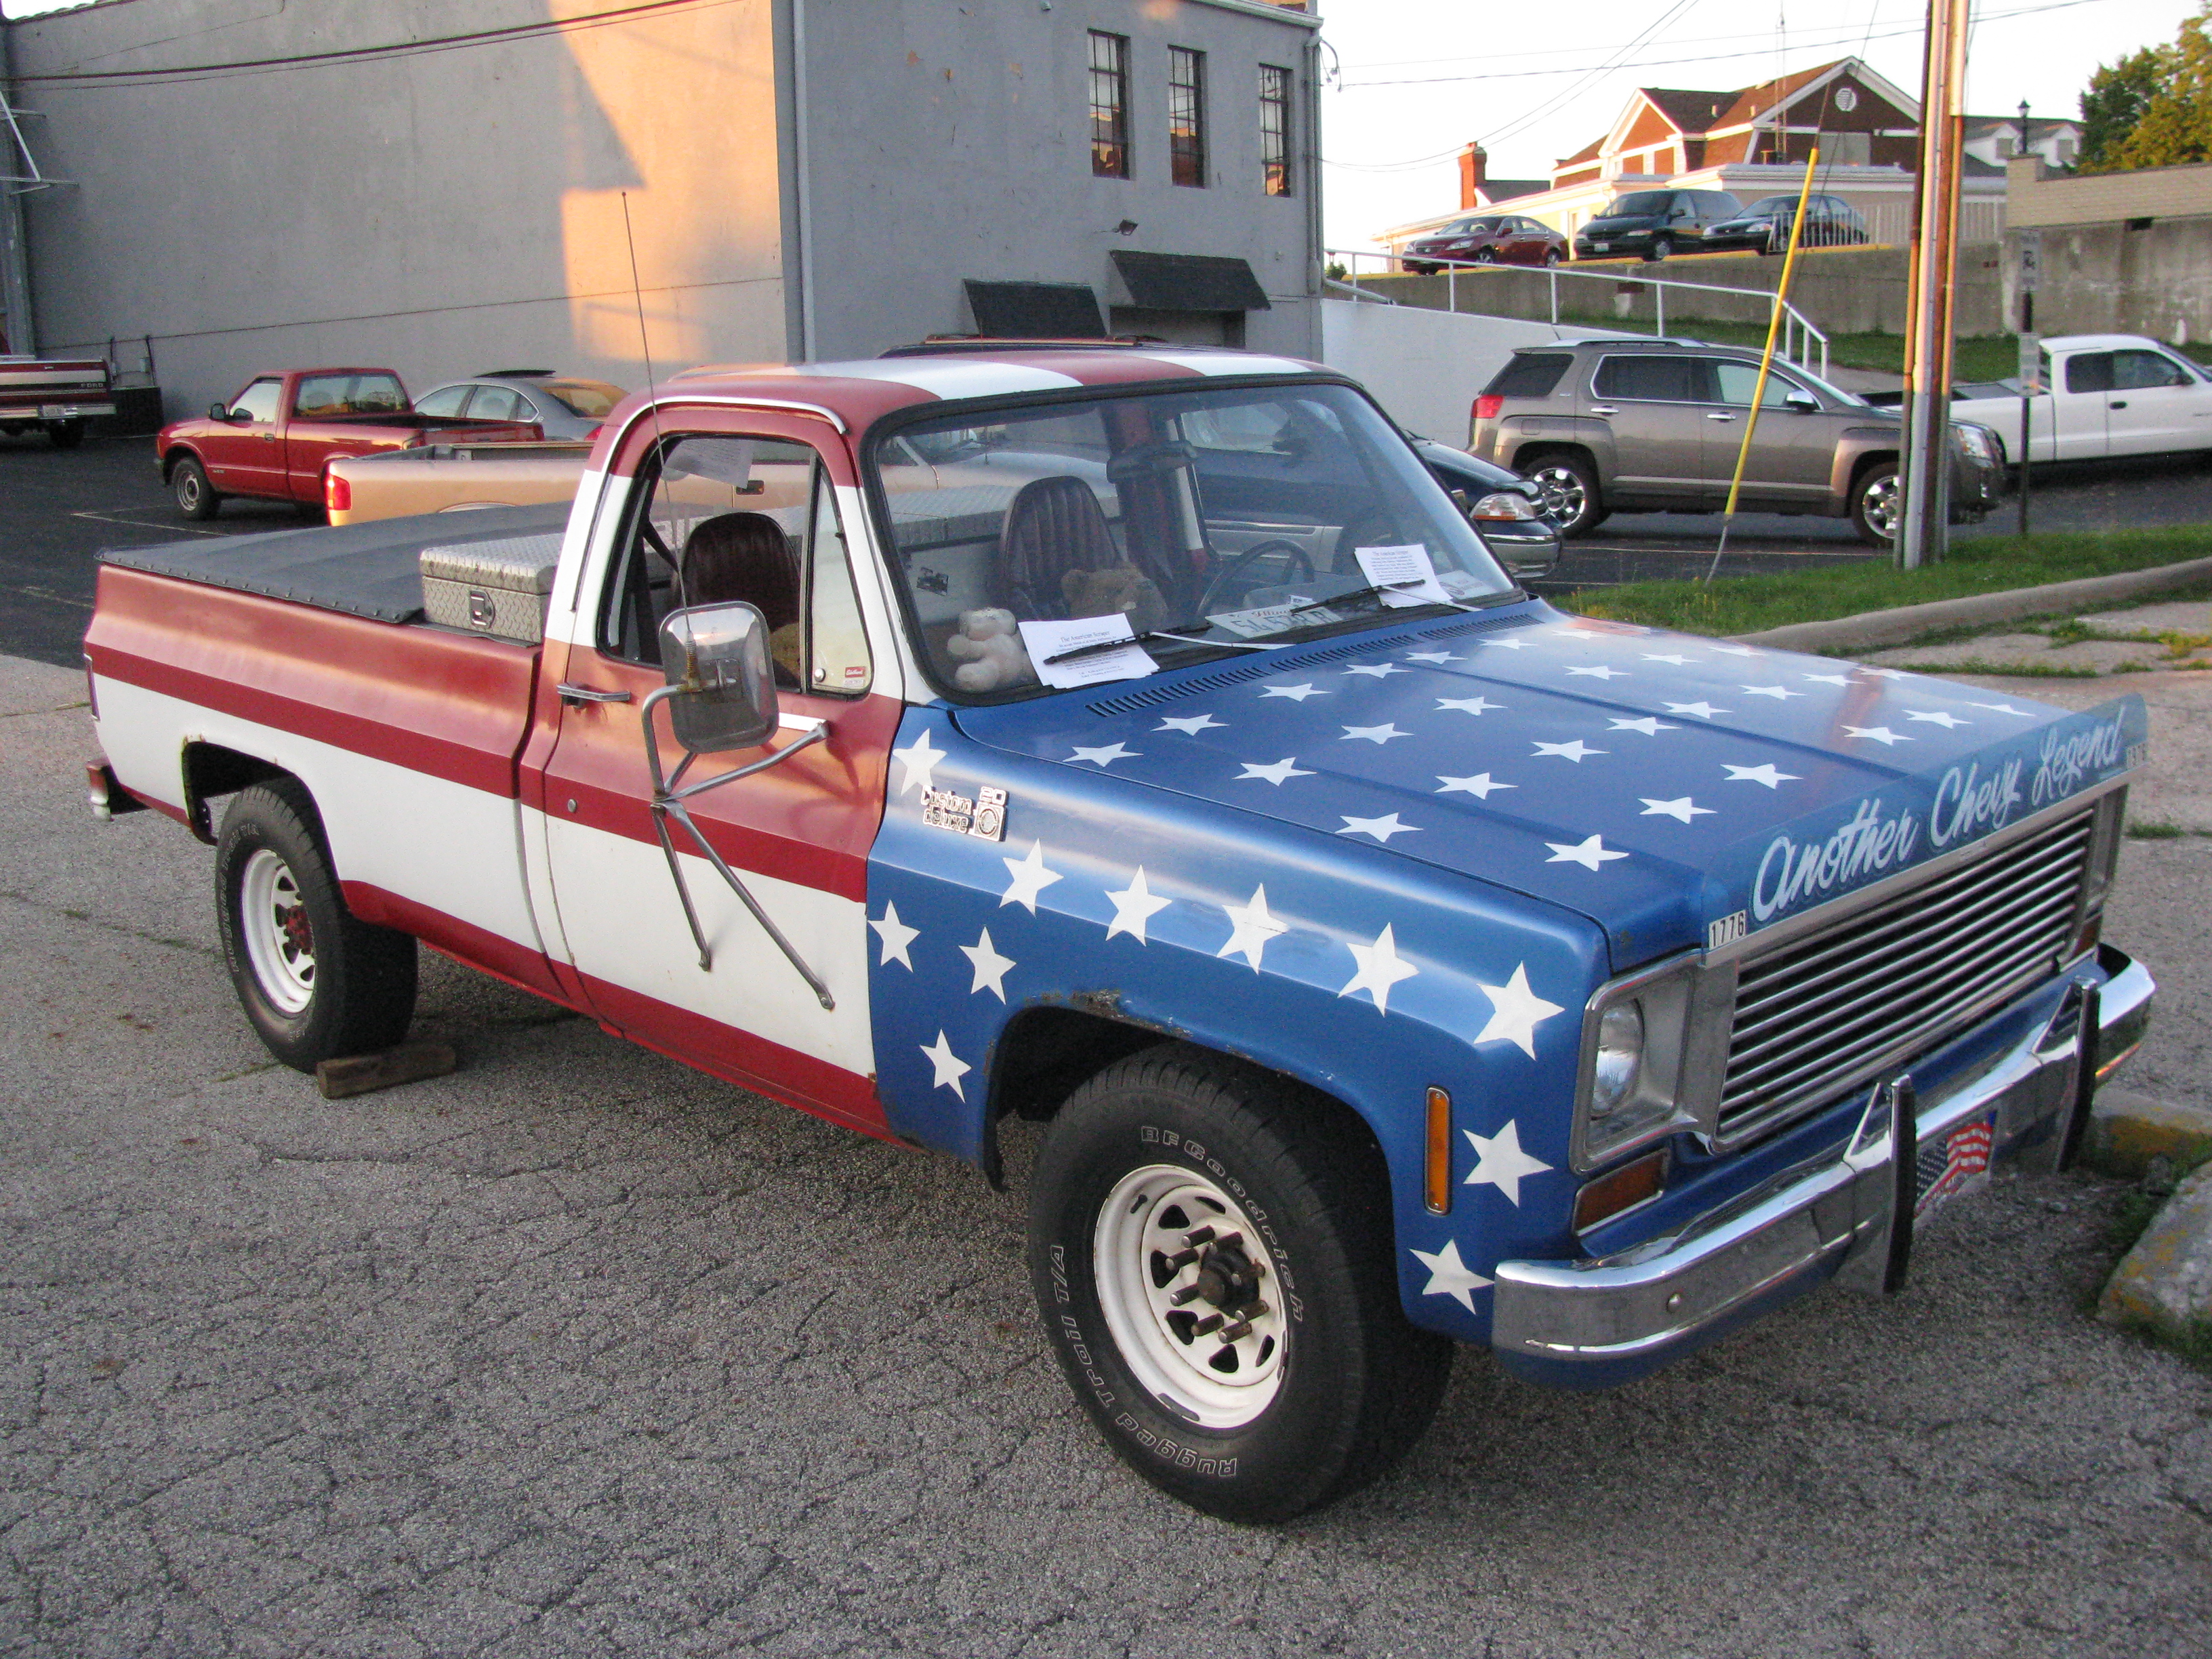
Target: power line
359, 54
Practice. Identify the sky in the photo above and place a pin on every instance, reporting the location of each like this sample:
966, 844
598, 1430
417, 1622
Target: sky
1412, 81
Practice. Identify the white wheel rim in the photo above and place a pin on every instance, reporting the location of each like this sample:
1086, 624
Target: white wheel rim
1143, 1260
1881, 506
279, 946
1564, 498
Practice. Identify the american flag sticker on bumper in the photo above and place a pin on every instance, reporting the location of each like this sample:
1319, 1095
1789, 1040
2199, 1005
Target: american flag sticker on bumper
1958, 1163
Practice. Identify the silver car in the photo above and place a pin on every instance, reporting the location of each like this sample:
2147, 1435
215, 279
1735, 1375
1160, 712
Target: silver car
562, 406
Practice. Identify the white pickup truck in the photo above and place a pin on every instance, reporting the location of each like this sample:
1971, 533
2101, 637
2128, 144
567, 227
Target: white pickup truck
2104, 394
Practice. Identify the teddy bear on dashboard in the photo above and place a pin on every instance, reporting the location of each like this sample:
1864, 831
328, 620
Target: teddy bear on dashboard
989, 646
1121, 588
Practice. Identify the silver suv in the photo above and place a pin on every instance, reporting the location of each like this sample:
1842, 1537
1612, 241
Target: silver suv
1655, 426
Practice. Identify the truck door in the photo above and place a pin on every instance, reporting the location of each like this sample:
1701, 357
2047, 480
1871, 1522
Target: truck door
2154, 404
318, 430
2079, 405
735, 505
244, 456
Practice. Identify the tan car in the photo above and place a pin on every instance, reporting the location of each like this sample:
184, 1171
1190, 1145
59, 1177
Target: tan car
451, 478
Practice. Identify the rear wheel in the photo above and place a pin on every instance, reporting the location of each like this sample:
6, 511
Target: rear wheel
1877, 505
1213, 1257
196, 496
1571, 497
315, 980
1552, 257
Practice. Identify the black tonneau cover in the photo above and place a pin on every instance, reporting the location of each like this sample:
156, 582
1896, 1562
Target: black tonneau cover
365, 570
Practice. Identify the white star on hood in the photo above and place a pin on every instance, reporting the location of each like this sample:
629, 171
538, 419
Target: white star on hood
1515, 1013
1777, 692
1381, 733
1274, 772
1600, 672
1382, 829
1250, 928
1132, 905
1189, 725
990, 966
1294, 693
1684, 808
1828, 679
1449, 1276
1500, 1163
1433, 656
1479, 785
1590, 854
1468, 705
2000, 709
1508, 644
1029, 876
1881, 734
896, 935
1885, 673
1650, 725
1939, 718
950, 1068
1733, 650
1379, 671
1573, 750
918, 760
1679, 661
1766, 774
1380, 968
1105, 757
1703, 711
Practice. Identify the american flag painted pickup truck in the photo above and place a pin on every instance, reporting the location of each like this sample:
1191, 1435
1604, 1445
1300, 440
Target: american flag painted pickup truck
1138, 741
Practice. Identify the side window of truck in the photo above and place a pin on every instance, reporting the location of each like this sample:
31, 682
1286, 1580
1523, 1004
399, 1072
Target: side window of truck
715, 520
2089, 371
2139, 370
259, 401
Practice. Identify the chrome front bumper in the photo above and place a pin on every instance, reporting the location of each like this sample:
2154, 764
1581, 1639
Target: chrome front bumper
1593, 1323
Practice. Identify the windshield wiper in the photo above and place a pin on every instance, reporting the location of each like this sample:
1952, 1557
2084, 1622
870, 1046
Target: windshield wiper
1101, 646
1376, 591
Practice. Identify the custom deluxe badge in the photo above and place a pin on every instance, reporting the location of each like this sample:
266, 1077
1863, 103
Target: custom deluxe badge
983, 816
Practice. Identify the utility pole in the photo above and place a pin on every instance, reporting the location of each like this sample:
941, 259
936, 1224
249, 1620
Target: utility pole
1925, 465
2031, 348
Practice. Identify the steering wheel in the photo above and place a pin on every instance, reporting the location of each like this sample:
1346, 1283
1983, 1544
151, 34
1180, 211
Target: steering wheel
1229, 572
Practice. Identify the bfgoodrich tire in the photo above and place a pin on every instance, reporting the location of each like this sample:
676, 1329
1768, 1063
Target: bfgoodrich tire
1213, 1257
315, 981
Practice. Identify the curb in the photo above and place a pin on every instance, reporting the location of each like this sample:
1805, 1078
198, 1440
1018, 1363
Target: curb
2127, 1131
2163, 1284
1909, 621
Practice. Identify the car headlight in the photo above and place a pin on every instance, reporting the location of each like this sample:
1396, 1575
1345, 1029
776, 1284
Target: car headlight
1503, 504
1654, 1049
1975, 441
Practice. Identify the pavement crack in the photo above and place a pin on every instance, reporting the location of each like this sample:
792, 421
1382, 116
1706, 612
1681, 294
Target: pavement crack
74, 914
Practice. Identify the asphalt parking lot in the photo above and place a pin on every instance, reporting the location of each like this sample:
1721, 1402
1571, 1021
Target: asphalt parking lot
578, 1353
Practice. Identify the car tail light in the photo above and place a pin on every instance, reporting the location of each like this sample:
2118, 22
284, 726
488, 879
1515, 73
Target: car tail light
1488, 405
592, 437
338, 494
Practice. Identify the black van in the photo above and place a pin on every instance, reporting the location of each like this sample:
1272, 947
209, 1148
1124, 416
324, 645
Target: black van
1654, 224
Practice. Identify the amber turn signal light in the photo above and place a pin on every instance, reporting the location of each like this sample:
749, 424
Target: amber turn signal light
1623, 1189
1436, 1189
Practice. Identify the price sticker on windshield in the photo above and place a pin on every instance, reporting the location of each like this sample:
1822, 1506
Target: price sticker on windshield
1405, 571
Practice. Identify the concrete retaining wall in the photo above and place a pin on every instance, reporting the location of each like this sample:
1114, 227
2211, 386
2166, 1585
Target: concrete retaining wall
2153, 279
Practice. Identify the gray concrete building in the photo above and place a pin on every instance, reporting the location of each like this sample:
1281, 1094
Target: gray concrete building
447, 186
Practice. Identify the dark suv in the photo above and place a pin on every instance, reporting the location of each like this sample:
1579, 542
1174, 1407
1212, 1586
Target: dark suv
1655, 426
1654, 224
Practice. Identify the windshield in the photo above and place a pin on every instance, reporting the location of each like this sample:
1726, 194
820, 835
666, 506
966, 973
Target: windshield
592, 399
1227, 517
1643, 205
1768, 205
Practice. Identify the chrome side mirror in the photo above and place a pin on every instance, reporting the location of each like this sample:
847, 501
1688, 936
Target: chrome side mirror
721, 679
1803, 402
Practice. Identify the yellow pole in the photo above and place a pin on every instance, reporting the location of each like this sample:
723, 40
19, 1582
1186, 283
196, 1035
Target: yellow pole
1767, 360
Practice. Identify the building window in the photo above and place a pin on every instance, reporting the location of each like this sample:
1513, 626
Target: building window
1186, 116
1274, 130
1109, 105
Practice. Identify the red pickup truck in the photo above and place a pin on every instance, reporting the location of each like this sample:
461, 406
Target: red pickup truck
274, 439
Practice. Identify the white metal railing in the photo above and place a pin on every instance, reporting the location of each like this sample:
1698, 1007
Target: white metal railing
1799, 340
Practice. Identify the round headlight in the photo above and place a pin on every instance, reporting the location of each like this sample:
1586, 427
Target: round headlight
1619, 1057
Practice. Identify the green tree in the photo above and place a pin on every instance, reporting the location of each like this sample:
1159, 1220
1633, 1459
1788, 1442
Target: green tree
2177, 123
2114, 103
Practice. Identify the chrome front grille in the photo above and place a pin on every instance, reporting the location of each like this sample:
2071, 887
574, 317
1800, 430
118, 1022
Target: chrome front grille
1819, 1013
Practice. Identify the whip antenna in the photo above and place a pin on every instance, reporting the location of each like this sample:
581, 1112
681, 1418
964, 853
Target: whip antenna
644, 341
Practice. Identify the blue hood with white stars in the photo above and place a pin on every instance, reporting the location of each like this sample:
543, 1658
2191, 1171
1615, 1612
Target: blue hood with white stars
1407, 858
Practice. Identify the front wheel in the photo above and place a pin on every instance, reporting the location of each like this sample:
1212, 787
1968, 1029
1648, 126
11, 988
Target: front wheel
1212, 1258
1660, 247
1877, 505
1572, 499
196, 496
316, 982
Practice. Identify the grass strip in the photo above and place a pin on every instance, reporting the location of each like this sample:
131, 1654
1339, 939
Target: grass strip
1747, 605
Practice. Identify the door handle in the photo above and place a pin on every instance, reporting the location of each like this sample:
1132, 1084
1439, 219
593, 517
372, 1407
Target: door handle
1603, 409
268, 437
1720, 417
2120, 403
583, 693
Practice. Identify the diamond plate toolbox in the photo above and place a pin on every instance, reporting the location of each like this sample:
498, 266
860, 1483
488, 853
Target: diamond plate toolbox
494, 587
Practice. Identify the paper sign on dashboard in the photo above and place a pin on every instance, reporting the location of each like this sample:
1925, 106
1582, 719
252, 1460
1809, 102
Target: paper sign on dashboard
1387, 566
1046, 640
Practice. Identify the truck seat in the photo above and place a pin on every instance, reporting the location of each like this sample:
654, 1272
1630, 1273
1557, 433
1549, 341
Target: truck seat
1052, 526
741, 556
